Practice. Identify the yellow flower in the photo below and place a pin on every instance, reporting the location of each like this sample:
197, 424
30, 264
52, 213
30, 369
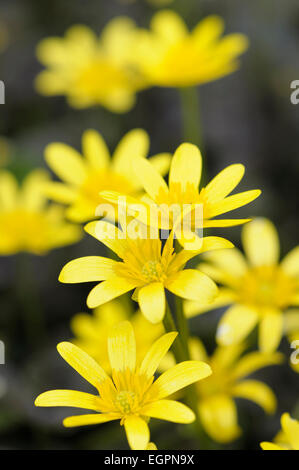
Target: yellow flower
27, 223
91, 331
183, 192
91, 71
144, 267
287, 438
217, 408
260, 289
170, 56
85, 177
130, 395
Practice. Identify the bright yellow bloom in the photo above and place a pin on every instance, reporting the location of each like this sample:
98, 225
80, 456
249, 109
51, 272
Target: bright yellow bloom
183, 192
91, 332
144, 267
84, 177
130, 395
27, 223
217, 408
92, 71
169, 55
260, 289
287, 438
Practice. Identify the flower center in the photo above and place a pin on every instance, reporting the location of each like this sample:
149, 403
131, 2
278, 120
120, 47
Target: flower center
153, 271
125, 401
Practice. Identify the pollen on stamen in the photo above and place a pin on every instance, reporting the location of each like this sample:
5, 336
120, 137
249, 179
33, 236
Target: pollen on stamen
125, 401
153, 271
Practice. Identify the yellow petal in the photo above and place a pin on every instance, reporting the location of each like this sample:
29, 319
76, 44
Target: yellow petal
193, 308
233, 202
291, 429
134, 144
161, 162
215, 243
137, 432
192, 285
169, 410
290, 264
82, 363
261, 243
66, 162
255, 361
152, 302
231, 262
59, 192
8, 190
151, 446
109, 290
122, 347
208, 30
179, 376
257, 392
68, 398
109, 235
95, 150
33, 197
224, 182
270, 446
224, 222
270, 331
218, 415
185, 169
84, 420
236, 324
156, 353
291, 321
169, 26
87, 269
149, 178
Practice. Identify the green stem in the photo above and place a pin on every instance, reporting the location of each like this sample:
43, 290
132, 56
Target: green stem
182, 327
169, 326
192, 130
30, 302
191, 122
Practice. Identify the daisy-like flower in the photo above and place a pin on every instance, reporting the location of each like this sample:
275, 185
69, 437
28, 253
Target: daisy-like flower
130, 395
91, 331
84, 177
287, 438
170, 56
90, 70
216, 395
259, 289
143, 267
27, 223
183, 193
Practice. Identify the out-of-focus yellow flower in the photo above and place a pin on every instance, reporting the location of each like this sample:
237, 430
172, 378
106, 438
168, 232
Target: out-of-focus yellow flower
260, 289
91, 332
169, 55
217, 408
92, 71
145, 267
131, 395
287, 438
27, 223
85, 177
183, 192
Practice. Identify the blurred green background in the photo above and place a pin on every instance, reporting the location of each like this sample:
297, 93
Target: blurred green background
247, 117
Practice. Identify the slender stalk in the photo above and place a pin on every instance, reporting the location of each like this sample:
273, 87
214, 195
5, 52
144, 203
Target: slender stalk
191, 122
169, 326
29, 299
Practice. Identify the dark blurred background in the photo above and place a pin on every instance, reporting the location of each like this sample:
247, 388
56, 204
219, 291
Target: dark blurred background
247, 117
